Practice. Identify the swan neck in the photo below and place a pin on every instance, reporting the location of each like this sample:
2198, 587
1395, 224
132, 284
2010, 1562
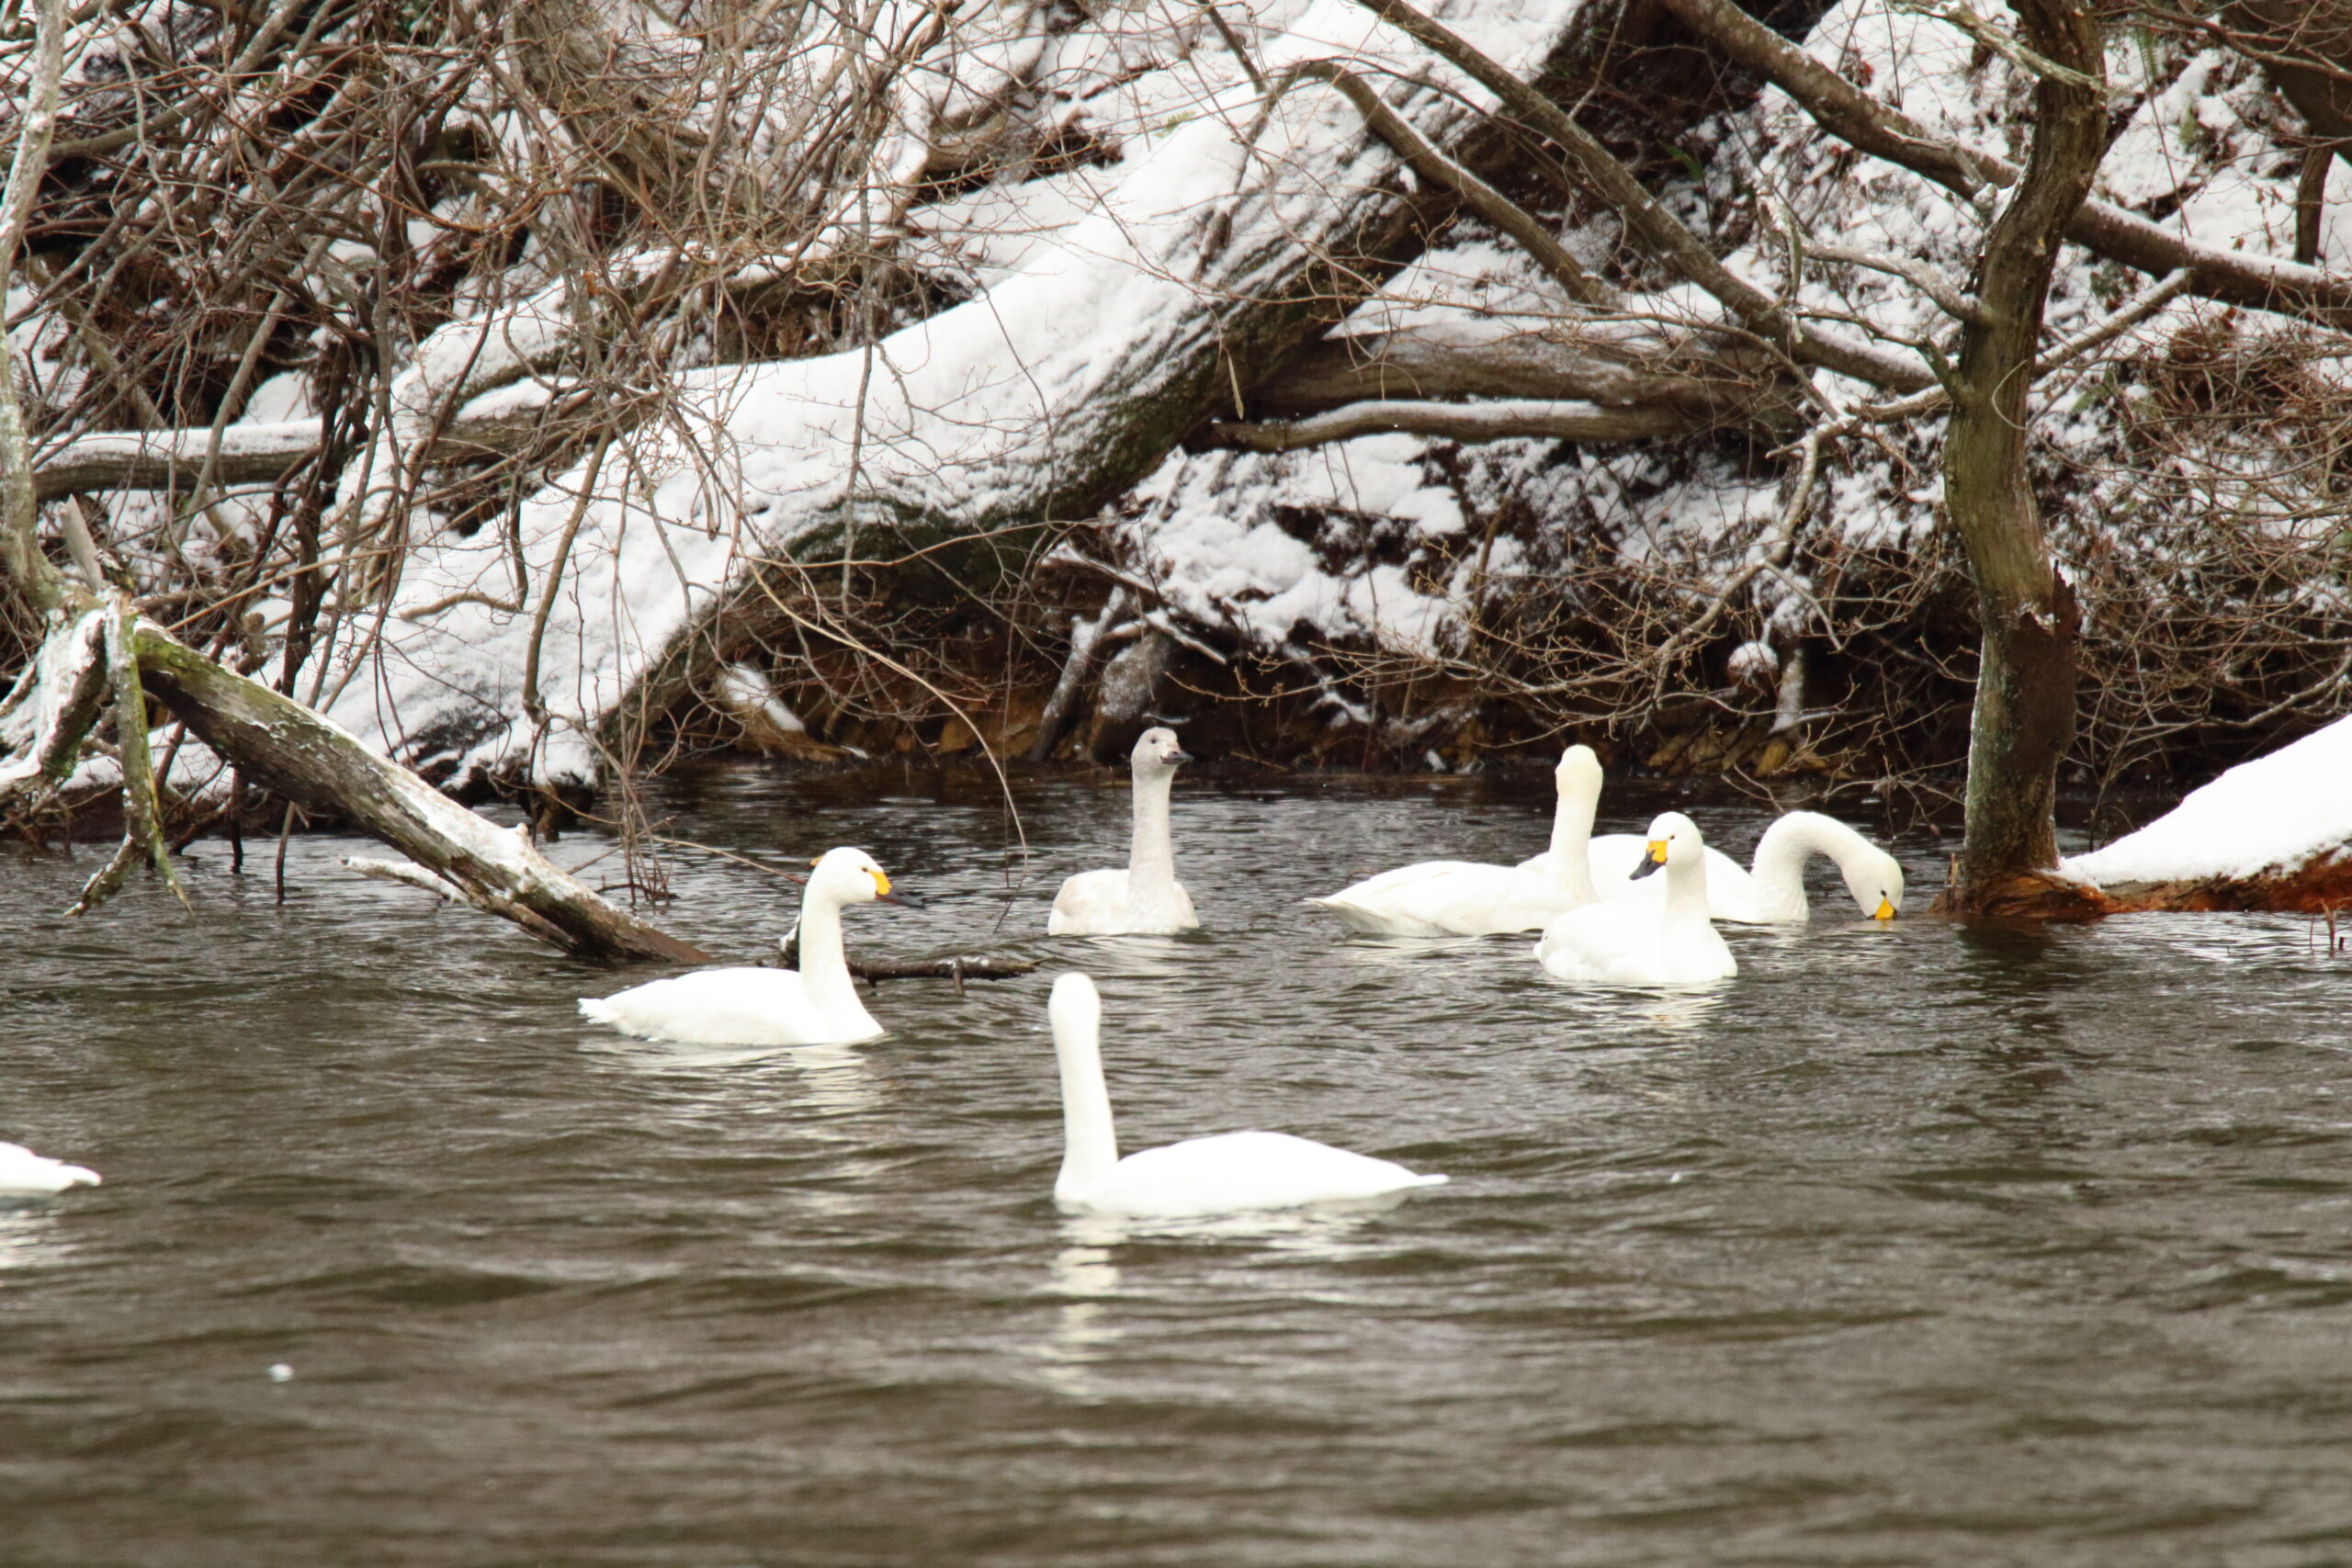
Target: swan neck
1572, 838
1781, 854
1686, 888
824, 968
1151, 858
1089, 1145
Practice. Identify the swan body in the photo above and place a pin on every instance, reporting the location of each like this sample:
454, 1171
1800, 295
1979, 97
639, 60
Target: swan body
1624, 942
815, 1005
1143, 898
1452, 898
1772, 892
23, 1171
1228, 1173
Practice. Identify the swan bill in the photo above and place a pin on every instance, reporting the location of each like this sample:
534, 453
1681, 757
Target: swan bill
1885, 910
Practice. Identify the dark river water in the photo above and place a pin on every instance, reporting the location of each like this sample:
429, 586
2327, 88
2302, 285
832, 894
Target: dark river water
1922, 1245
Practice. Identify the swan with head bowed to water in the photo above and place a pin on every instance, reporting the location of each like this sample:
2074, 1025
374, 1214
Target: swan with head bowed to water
815, 1005
1770, 891
1623, 941
1229, 1173
1143, 898
1453, 898
23, 1172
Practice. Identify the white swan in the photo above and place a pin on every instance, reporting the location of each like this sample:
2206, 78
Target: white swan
1452, 898
1623, 941
815, 1005
1607, 865
23, 1171
1225, 1174
1773, 893
1144, 898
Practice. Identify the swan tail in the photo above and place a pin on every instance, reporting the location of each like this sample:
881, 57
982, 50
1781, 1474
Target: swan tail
596, 1010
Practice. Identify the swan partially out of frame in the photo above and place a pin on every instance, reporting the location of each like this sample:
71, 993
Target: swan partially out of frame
24, 1173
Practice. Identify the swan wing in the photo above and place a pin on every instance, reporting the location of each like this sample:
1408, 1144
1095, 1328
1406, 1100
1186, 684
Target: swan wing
1448, 899
1237, 1172
718, 1007
1614, 943
1103, 903
1092, 903
1627, 942
21, 1170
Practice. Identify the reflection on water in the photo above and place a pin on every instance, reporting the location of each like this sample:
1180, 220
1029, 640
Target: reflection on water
826, 1080
1086, 1279
30, 1237
1926, 1244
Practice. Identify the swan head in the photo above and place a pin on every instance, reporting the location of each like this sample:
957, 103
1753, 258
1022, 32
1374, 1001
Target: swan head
850, 876
1579, 772
1157, 751
1674, 840
1075, 1010
1875, 879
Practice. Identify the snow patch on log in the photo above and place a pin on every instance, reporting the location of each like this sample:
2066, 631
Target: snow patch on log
2268, 817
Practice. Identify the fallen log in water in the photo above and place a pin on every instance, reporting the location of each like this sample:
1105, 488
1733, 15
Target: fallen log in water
956, 968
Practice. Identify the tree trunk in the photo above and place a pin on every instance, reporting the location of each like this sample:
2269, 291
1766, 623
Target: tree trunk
2024, 717
2285, 34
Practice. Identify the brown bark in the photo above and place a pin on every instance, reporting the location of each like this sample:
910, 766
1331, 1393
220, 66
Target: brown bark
1709, 381
2024, 716
1453, 422
2305, 47
2322, 887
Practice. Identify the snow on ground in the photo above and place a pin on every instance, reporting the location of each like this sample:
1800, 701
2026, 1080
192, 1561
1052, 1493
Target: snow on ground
2275, 814
1279, 547
955, 418
1231, 537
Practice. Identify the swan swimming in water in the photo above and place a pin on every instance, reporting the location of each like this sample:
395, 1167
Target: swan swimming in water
1626, 942
815, 1005
1453, 898
1144, 898
23, 1171
1228, 1173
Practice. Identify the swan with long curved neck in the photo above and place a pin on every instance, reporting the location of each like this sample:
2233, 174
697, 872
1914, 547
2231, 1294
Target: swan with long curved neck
1143, 898
1452, 898
24, 1173
815, 1005
1227, 1173
1771, 892
1628, 942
